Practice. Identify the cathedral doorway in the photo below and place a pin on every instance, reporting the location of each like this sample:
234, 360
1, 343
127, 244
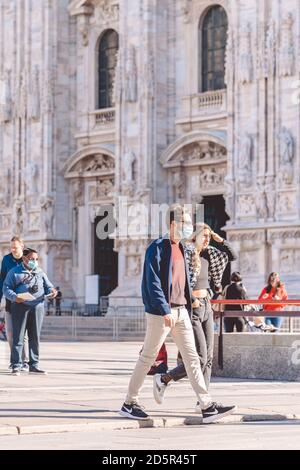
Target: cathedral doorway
105, 261
216, 217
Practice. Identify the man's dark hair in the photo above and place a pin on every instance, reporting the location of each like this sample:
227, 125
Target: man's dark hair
28, 251
236, 277
175, 212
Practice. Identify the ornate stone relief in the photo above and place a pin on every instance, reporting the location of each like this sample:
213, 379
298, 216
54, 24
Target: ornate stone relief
133, 265
34, 105
255, 237
212, 177
5, 222
284, 235
271, 46
248, 262
202, 152
103, 188
290, 261
95, 163
178, 184
185, 10
286, 51
106, 12
286, 203
34, 221
78, 193
246, 206
48, 92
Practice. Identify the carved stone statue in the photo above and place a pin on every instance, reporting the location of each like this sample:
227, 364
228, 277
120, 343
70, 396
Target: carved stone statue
5, 185
128, 163
261, 202
32, 178
7, 98
229, 67
270, 193
18, 216
131, 76
229, 196
23, 96
47, 206
246, 59
286, 155
246, 152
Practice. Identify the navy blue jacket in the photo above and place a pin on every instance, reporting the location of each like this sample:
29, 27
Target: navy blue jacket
8, 263
157, 278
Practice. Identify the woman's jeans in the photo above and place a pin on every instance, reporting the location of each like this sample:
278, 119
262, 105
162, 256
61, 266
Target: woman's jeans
275, 321
203, 328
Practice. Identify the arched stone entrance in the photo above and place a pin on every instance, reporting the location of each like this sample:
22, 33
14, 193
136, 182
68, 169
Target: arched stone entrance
91, 173
197, 166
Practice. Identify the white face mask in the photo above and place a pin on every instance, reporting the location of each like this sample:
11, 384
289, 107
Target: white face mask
186, 232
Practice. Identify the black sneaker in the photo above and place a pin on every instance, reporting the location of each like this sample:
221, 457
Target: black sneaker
133, 411
215, 412
35, 370
15, 371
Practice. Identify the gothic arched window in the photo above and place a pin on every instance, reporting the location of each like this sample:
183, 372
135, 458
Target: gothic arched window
213, 33
107, 62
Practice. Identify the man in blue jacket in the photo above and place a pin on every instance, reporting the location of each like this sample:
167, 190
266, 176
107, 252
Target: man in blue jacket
25, 286
10, 261
167, 299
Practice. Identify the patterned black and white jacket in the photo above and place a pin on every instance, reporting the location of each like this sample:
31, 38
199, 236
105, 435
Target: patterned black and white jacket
217, 260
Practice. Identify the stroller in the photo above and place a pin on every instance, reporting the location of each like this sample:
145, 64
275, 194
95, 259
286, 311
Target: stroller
257, 324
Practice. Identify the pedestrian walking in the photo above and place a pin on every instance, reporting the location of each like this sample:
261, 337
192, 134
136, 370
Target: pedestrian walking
168, 304
25, 286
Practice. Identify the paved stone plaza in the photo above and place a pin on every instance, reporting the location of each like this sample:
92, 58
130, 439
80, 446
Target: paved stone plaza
86, 385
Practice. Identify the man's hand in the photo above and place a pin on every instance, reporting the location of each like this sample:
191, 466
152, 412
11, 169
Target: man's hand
170, 320
19, 300
52, 295
196, 303
217, 237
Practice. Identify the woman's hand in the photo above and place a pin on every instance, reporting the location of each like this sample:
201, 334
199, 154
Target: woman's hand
196, 303
217, 237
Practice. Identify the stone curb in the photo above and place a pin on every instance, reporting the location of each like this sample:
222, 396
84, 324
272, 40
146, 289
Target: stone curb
121, 424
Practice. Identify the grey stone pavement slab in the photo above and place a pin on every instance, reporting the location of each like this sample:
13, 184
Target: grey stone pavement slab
87, 382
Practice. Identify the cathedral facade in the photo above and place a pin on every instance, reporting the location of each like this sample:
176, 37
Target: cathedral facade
155, 101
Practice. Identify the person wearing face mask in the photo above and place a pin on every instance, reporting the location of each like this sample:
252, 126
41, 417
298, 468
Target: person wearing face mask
206, 265
167, 299
10, 261
25, 286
